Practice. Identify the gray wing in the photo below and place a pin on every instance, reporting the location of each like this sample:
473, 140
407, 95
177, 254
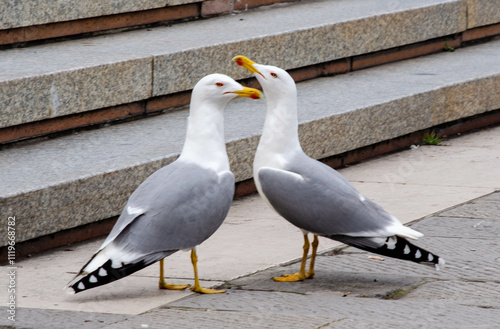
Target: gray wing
177, 207
316, 198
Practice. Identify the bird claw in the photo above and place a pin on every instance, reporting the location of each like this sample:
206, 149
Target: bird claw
291, 277
202, 290
170, 286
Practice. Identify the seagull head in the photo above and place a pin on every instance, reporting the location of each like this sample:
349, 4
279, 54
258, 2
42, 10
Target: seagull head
274, 81
220, 89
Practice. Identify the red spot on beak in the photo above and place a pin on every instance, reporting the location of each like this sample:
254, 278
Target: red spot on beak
239, 62
254, 96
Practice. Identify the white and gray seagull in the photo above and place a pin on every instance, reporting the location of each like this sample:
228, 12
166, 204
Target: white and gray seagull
313, 196
180, 205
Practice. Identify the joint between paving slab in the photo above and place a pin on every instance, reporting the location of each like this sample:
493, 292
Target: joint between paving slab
402, 292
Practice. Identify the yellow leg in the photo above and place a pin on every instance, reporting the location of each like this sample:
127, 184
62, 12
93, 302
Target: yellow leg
197, 287
301, 275
164, 285
314, 244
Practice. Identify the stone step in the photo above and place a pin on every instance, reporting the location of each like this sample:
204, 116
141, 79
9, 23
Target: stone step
57, 184
73, 77
23, 22
37, 12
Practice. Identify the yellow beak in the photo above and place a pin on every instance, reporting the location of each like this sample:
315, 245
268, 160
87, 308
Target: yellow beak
248, 92
246, 63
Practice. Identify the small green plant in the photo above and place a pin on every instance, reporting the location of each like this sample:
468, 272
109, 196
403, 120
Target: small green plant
396, 294
447, 47
432, 139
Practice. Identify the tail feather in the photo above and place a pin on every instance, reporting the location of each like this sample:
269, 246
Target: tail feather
111, 264
105, 274
393, 246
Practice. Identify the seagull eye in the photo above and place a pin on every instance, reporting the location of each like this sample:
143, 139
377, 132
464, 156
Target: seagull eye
219, 84
274, 75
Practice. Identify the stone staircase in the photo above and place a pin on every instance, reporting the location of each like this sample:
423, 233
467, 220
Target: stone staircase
93, 98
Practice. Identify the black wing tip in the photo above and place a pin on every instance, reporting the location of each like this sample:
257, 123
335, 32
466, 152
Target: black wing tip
395, 247
105, 274
401, 248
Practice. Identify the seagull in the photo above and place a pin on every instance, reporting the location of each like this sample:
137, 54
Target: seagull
180, 205
313, 196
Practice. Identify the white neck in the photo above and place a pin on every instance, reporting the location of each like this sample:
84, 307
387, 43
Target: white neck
280, 138
205, 142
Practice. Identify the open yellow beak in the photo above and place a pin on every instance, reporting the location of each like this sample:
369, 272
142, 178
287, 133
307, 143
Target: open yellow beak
248, 92
246, 63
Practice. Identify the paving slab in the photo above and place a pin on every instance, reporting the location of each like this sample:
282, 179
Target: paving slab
479, 210
210, 318
30, 318
479, 294
69, 177
465, 226
401, 169
331, 279
431, 178
467, 259
46, 81
420, 200
414, 314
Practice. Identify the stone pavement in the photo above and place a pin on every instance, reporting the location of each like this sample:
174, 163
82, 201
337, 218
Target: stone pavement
457, 188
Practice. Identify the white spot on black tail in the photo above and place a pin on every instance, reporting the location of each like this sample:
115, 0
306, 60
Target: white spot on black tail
393, 246
106, 274
407, 250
